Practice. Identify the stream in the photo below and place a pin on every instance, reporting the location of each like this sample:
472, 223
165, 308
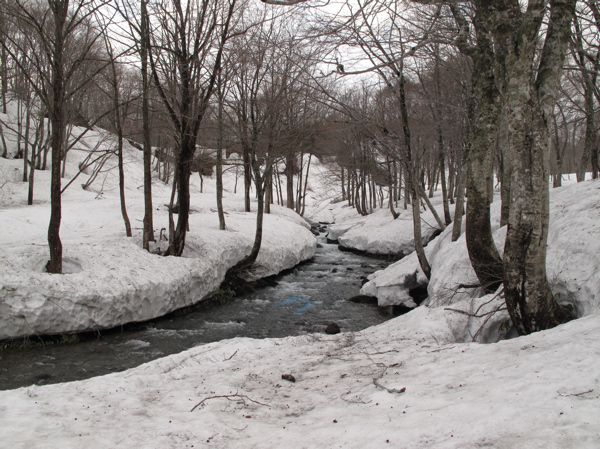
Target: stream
304, 300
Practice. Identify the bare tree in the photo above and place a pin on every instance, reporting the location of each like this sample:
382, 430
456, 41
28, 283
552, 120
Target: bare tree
54, 28
138, 30
118, 113
185, 54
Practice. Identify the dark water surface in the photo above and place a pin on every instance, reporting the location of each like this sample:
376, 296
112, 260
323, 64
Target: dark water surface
304, 300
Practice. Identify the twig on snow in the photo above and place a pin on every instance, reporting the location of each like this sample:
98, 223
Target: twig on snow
581, 393
239, 398
389, 390
442, 349
231, 356
383, 387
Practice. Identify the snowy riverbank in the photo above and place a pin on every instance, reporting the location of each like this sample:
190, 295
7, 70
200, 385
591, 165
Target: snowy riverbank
405, 383
378, 233
572, 262
109, 280
113, 281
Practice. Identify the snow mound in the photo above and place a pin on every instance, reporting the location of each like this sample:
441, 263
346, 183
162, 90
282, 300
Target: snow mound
572, 261
109, 280
118, 282
377, 233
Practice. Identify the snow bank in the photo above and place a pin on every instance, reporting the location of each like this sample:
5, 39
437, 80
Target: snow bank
405, 383
117, 282
112, 281
377, 233
572, 262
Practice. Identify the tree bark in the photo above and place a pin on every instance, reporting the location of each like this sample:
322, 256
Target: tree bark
148, 232
459, 209
3, 69
531, 99
57, 117
412, 181
247, 179
305, 186
219, 163
447, 217
182, 178
483, 253
289, 173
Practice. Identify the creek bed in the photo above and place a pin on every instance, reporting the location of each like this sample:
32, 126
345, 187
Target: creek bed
304, 300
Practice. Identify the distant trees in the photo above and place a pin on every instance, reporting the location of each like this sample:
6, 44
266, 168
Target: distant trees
269, 110
585, 53
460, 96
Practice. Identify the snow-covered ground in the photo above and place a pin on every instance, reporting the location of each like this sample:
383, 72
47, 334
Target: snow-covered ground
415, 381
110, 280
377, 233
406, 383
572, 262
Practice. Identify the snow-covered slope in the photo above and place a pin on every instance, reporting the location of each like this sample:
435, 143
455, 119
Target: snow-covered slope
110, 280
572, 262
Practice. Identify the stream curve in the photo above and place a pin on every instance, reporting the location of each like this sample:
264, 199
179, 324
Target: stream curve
304, 300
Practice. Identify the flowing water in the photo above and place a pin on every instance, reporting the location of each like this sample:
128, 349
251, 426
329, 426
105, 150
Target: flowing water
302, 301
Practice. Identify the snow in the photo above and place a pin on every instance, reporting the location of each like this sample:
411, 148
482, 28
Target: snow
109, 279
377, 233
540, 391
380, 234
120, 283
572, 260
422, 380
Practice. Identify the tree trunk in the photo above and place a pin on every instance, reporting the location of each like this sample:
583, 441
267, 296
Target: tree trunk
118, 117
412, 181
483, 253
148, 232
3, 75
247, 179
182, 177
269, 192
258, 183
219, 164
299, 184
447, 217
343, 185
529, 300
124, 214
47, 147
417, 234
391, 189
57, 117
305, 186
289, 173
34, 152
588, 161
3, 140
26, 142
459, 209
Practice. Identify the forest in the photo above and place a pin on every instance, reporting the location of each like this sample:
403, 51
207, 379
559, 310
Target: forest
227, 222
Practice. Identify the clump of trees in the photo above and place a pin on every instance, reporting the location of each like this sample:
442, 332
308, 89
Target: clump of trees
515, 56
460, 97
